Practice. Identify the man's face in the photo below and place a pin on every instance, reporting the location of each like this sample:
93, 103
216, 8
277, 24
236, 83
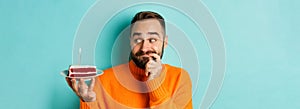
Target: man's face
146, 37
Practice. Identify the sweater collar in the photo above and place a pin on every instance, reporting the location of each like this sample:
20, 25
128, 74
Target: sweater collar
137, 72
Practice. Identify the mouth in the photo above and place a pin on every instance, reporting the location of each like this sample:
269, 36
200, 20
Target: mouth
145, 55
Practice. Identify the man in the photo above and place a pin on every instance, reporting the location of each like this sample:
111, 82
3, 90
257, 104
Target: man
143, 82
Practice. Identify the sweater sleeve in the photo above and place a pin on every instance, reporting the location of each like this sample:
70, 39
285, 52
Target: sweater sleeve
88, 105
161, 98
157, 94
182, 98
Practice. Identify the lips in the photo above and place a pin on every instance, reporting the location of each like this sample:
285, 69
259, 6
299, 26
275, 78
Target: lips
145, 55
141, 53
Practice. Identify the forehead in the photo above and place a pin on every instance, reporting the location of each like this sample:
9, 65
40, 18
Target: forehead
147, 25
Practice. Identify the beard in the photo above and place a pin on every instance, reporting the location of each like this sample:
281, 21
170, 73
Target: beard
142, 61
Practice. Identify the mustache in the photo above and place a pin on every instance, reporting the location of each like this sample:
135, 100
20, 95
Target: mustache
140, 53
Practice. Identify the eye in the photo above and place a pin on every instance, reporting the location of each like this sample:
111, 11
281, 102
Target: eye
152, 40
138, 40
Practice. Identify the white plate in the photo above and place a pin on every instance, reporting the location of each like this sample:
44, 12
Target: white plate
66, 72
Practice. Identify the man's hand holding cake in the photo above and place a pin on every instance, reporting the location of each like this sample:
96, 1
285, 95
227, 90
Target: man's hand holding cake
82, 90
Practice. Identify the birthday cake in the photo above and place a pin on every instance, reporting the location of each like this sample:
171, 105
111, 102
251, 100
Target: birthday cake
82, 71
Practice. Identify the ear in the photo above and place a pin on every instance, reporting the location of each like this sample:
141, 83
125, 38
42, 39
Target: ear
166, 41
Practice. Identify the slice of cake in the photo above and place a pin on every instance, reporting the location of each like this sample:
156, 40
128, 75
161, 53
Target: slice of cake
82, 71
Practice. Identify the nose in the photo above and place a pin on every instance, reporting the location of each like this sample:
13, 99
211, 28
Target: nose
146, 46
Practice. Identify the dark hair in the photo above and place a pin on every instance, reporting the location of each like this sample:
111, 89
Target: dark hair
148, 15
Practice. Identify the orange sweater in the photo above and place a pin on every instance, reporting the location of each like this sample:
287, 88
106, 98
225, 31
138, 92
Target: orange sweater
124, 87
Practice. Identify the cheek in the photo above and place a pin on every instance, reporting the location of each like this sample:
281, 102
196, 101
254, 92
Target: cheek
134, 48
132, 45
155, 48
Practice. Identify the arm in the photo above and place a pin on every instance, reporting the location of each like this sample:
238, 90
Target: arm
161, 98
88, 105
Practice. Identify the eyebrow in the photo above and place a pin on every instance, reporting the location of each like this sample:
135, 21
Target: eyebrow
153, 33
149, 33
136, 34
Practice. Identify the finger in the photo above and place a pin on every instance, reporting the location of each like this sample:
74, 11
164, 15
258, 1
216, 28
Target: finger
91, 87
74, 85
147, 73
149, 63
69, 81
152, 57
147, 70
81, 83
153, 64
147, 66
82, 87
156, 56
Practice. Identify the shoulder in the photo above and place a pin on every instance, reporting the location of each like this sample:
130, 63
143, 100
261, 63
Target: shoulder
117, 67
176, 70
178, 77
109, 73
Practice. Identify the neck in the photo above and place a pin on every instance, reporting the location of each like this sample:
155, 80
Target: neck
137, 72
